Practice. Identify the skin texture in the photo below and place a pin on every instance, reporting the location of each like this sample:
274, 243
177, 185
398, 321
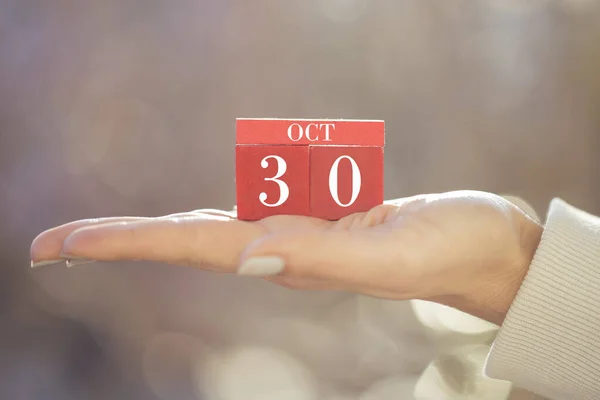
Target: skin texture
466, 249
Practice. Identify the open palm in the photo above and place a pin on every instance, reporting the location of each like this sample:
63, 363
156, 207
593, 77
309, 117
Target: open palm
465, 249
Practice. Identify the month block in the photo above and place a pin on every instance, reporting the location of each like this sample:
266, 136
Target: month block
345, 180
323, 168
305, 132
272, 180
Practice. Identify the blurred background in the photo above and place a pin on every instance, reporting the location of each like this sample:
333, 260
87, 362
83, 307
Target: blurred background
128, 107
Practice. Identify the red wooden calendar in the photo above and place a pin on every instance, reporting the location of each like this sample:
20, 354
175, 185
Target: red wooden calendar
322, 168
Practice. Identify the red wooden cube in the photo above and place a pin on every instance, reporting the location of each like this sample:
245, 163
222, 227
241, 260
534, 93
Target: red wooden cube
323, 168
345, 180
272, 180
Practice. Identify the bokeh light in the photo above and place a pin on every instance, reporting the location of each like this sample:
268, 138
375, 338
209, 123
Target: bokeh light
252, 373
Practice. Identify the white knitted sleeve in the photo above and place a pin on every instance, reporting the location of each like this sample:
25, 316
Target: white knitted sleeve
549, 343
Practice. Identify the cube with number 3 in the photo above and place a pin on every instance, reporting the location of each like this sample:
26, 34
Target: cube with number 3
321, 168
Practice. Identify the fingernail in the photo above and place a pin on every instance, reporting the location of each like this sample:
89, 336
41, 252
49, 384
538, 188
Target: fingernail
78, 261
35, 264
262, 266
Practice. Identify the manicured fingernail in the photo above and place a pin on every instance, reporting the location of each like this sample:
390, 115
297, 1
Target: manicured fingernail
36, 264
81, 261
262, 266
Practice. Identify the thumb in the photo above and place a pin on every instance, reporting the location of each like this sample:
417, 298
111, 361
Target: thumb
348, 257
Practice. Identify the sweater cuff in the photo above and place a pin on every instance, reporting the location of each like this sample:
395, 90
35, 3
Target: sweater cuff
550, 342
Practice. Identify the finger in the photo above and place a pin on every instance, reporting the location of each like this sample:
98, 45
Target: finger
304, 284
231, 213
208, 211
350, 259
46, 247
193, 240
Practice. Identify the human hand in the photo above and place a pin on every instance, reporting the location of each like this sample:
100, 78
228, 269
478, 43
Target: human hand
466, 249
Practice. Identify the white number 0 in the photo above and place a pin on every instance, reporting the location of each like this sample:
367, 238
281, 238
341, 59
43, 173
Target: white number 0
333, 181
284, 189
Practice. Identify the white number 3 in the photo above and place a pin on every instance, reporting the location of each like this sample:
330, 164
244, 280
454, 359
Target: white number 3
284, 189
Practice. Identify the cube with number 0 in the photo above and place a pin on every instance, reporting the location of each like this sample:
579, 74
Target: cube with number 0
321, 168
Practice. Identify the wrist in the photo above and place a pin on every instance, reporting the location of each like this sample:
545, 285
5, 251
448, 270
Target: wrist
505, 286
493, 293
